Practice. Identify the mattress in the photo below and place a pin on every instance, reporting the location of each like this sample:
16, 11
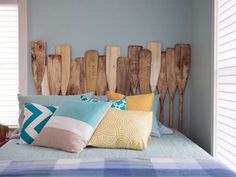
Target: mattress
167, 146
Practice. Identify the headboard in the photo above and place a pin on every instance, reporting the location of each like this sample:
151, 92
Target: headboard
143, 70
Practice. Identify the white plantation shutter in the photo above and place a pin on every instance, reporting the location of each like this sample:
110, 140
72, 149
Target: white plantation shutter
225, 91
9, 62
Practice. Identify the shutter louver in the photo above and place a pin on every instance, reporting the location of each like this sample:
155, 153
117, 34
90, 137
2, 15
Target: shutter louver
225, 130
9, 62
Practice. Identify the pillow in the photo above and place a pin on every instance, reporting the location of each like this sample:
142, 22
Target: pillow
102, 98
36, 116
72, 125
44, 100
136, 102
155, 117
117, 104
147, 103
123, 129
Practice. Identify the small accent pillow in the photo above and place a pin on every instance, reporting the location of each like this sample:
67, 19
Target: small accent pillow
117, 104
36, 116
72, 125
136, 102
123, 129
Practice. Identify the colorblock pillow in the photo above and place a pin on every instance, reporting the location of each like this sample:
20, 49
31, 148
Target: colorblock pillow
36, 116
136, 102
117, 104
44, 100
72, 125
123, 129
144, 102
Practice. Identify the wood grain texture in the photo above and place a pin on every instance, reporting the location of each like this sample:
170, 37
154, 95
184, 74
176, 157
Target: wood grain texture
182, 66
45, 86
74, 82
123, 82
65, 52
102, 79
82, 75
171, 80
38, 57
133, 54
155, 48
145, 59
162, 85
112, 54
54, 74
91, 64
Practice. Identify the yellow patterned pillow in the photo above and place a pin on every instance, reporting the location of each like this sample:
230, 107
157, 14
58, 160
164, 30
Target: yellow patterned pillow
123, 129
135, 102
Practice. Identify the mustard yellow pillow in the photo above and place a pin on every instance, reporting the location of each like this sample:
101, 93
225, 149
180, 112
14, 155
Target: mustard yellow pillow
123, 129
136, 102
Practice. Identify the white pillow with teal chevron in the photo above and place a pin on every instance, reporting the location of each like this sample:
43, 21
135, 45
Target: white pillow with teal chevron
36, 117
116, 104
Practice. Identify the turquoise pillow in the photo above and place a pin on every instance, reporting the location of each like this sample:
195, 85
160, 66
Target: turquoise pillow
116, 104
55, 100
72, 125
155, 128
36, 116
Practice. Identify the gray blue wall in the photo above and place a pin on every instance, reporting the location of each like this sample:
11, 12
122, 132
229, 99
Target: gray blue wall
201, 70
92, 24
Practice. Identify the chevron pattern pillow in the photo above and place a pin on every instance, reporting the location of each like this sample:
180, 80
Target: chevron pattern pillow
36, 116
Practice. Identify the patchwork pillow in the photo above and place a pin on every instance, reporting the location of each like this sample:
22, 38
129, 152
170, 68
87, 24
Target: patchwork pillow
72, 125
144, 102
36, 116
123, 129
117, 104
134, 102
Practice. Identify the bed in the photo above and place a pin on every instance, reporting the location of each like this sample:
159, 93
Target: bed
169, 155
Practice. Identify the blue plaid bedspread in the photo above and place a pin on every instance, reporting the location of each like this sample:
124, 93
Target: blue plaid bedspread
115, 168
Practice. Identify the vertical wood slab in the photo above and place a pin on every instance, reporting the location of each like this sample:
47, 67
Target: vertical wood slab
74, 82
155, 48
54, 74
171, 80
145, 59
45, 86
123, 82
182, 58
82, 75
112, 54
133, 54
162, 85
65, 52
102, 80
91, 64
38, 57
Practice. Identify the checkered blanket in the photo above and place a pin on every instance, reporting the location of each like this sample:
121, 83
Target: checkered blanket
115, 168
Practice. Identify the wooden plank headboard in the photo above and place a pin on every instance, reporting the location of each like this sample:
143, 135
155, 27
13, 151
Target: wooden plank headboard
129, 75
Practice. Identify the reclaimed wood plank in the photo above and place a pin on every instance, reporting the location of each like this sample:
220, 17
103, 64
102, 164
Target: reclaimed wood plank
123, 82
54, 74
38, 57
171, 81
155, 48
91, 64
145, 59
65, 52
182, 66
162, 85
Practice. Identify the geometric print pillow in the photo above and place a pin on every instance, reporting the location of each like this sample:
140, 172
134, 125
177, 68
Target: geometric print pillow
116, 104
35, 118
